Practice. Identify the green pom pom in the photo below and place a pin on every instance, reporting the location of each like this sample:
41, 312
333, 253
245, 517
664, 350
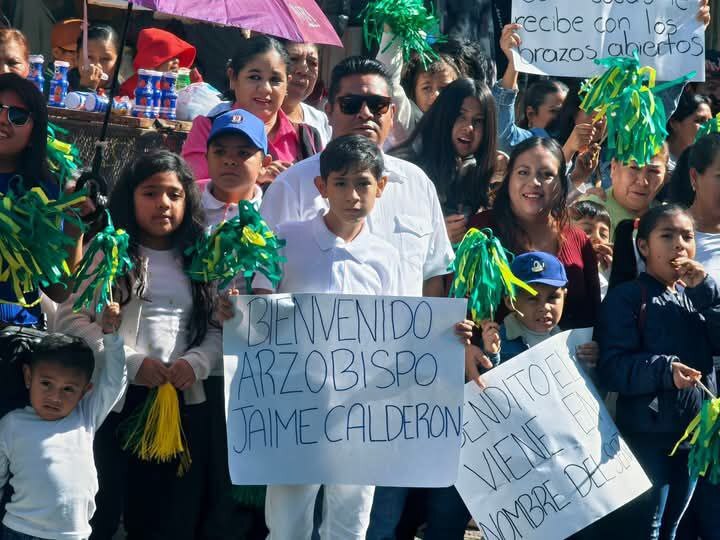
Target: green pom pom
242, 245
483, 275
704, 434
113, 244
626, 95
410, 22
711, 126
33, 247
252, 496
63, 158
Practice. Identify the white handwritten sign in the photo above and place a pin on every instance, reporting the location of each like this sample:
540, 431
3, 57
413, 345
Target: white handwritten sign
344, 389
563, 37
541, 457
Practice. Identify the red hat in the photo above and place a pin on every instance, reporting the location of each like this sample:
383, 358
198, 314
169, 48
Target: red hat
155, 47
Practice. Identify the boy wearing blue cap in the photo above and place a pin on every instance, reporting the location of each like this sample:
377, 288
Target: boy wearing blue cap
236, 155
534, 318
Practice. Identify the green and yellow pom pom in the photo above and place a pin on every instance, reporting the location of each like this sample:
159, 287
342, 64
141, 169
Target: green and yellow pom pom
711, 126
411, 23
113, 244
154, 432
626, 95
240, 246
704, 434
63, 158
33, 247
483, 275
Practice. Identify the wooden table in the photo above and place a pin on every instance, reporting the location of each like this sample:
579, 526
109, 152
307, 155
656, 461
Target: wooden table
127, 137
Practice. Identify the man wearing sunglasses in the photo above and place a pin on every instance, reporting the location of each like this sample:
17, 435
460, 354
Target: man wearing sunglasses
408, 215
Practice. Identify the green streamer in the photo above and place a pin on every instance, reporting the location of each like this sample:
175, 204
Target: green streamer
242, 245
63, 158
483, 275
113, 244
711, 126
411, 23
626, 95
33, 247
704, 433
250, 496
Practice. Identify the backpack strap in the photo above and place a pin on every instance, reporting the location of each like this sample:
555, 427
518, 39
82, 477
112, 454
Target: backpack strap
642, 314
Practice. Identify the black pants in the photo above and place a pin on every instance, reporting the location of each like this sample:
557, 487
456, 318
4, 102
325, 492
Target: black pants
222, 517
157, 504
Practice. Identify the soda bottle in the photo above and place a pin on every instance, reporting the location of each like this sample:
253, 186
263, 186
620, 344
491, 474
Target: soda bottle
59, 84
37, 62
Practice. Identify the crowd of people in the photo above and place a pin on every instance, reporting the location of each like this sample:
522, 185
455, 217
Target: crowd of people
371, 191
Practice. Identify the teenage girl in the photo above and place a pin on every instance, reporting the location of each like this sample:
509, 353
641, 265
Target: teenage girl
168, 339
657, 335
258, 74
454, 144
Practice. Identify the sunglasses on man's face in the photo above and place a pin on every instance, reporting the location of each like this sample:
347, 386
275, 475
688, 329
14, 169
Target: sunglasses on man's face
351, 104
16, 115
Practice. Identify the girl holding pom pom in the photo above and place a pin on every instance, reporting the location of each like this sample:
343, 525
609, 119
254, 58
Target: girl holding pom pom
168, 339
657, 336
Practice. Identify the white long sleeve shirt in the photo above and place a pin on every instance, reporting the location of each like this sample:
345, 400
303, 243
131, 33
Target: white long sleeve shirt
52, 462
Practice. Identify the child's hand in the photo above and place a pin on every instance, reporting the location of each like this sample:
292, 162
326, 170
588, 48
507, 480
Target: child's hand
224, 310
580, 139
691, 272
684, 376
588, 354
181, 374
703, 14
152, 373
509, 39
604, 254
474, 357
456, 226
464, 330
111, 318
490, 336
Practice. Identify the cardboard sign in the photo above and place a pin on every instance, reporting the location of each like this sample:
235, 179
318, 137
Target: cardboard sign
338, 389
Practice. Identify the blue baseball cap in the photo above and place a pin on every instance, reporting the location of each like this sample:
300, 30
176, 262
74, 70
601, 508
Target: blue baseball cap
539, 267
240, 121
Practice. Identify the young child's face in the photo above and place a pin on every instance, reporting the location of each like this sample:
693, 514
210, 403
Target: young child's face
159, 208
54, 389
351, 195
596, 230
171, 65
672, 238
429, 85
234, 163
540, 313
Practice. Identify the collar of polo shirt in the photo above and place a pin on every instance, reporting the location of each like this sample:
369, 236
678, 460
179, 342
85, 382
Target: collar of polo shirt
326, 240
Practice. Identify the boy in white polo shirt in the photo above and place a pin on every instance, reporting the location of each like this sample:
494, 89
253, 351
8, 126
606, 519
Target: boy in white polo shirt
333, 253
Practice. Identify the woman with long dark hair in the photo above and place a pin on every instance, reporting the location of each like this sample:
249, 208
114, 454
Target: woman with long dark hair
454, 144
530, 214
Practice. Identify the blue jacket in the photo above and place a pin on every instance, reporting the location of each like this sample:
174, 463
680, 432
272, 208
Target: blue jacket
638, 345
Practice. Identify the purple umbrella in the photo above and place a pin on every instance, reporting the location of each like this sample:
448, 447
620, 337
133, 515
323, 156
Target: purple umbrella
296, 20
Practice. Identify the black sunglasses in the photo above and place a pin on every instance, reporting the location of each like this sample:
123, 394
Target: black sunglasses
351, 104
17, 115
